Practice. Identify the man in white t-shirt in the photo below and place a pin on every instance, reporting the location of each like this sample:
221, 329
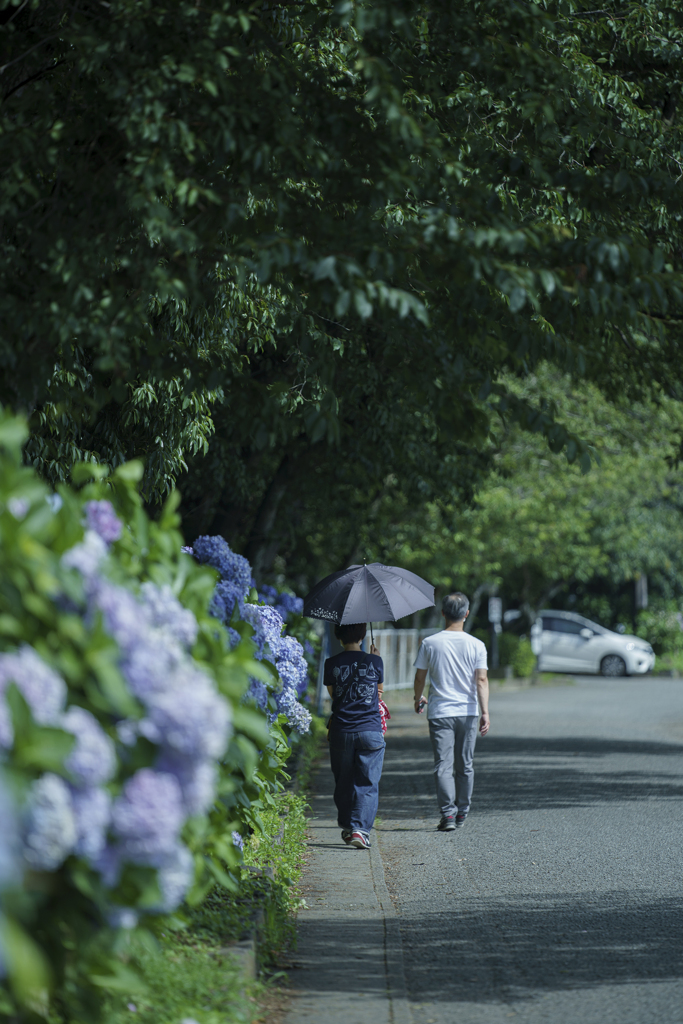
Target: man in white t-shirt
458, 691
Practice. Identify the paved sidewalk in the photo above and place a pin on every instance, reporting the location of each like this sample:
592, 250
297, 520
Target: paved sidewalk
349, 963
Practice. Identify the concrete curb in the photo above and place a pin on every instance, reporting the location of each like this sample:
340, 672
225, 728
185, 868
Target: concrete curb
393, 943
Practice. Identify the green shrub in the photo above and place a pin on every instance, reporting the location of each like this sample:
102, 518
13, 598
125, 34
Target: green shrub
524, 660
507, 648
662, 628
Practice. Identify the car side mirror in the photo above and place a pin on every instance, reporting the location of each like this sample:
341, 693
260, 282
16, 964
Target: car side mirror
587, 633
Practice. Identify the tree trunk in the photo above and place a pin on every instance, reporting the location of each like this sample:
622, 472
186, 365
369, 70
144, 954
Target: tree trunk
260, 548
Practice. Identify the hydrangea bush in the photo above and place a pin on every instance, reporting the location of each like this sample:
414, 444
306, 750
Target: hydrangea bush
134, 763
235, 600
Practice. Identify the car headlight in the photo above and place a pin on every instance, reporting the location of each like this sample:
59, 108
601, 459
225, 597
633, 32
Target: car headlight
630, 647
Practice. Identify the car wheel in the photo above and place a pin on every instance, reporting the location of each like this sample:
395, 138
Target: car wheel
613, 665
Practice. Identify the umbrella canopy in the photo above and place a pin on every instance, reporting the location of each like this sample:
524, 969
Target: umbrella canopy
368, 593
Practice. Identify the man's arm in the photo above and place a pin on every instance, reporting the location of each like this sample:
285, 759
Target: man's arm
419, 684
482, 679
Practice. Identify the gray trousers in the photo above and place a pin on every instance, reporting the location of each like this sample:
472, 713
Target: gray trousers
453, 742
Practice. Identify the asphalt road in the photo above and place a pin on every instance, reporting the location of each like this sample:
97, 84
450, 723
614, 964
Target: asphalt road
561, 901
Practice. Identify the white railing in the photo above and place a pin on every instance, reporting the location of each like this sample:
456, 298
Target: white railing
398, 650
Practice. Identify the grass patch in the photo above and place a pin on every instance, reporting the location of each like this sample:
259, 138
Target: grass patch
187, 978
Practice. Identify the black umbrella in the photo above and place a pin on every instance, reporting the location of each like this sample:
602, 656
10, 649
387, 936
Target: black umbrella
368, 593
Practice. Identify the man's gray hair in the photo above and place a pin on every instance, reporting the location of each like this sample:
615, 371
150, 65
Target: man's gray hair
455, 607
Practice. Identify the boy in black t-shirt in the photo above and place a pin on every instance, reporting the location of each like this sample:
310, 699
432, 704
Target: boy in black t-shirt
355, 682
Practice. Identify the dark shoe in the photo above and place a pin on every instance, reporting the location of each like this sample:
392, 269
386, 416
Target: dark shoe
360, 841
346, 835
460, 820
447, 823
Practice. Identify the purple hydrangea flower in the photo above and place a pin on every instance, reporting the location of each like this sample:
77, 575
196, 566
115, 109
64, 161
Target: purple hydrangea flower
92, 760
92, 813
125, 619
193, 720
50, 829
42, 688
309, 649
152, 667
234, 638
87, 556
19, 507
168, 613
197, 781
102, 519
148, 816
237, 841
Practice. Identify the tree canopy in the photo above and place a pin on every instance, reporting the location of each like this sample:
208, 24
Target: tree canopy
318, 241
541, 534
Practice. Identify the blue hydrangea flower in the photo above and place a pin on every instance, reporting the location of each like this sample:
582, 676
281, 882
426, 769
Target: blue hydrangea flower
226, 595
297, 715
257, 693
102, 519
216, 551
168, 613
92, 760
237, 841
148, 816
42, 688
289, 604
267, 624
87, 556
193, 720
50, 827
92, 813
291, 665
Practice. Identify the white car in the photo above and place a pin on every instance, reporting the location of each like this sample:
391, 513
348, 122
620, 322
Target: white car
570, 643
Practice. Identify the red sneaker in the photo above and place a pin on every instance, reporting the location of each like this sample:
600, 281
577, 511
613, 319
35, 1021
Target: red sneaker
360, 841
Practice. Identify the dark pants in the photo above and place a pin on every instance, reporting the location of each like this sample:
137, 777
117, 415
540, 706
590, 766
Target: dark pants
356, 759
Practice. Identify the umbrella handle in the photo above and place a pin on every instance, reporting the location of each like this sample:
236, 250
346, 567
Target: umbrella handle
372, 638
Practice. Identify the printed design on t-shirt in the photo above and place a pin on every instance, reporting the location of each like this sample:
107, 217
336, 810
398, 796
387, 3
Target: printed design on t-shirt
362, 686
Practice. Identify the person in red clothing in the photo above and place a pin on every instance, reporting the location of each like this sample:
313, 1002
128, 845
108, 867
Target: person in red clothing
355, 680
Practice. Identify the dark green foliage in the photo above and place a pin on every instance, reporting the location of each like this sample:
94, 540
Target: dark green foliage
325, 231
